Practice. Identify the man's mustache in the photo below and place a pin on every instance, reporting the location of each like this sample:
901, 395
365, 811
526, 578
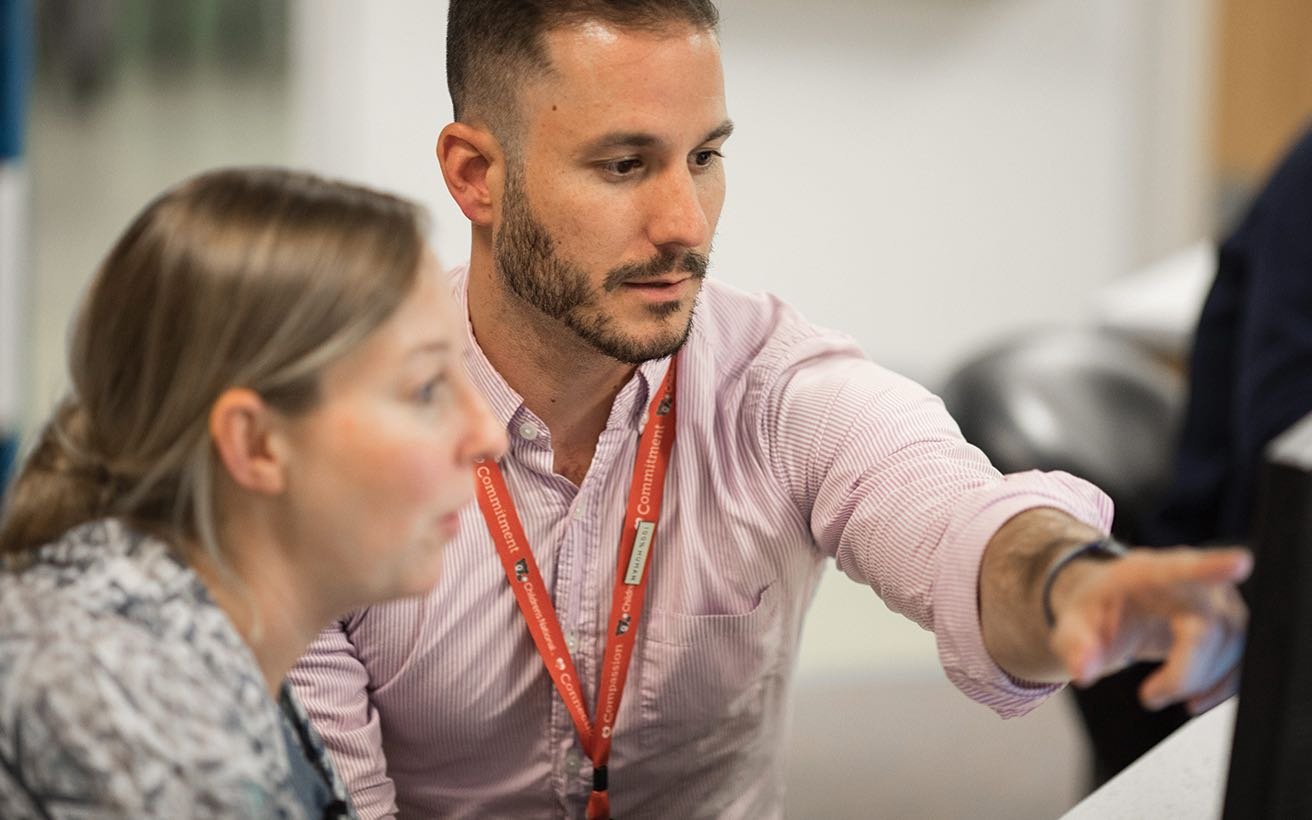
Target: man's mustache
690, 262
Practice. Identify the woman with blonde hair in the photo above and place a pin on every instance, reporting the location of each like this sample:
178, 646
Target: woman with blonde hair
269, 425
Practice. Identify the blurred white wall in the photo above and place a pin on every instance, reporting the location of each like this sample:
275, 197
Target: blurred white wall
926, 175
92, 169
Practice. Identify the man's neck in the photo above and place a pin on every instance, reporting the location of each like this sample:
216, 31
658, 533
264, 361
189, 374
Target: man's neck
563, 380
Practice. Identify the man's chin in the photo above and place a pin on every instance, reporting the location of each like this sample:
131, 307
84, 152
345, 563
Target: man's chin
634, 334
635, 348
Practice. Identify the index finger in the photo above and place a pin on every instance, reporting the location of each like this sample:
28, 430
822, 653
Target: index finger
1206, 566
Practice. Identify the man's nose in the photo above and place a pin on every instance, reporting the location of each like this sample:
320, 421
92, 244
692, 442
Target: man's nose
678, 219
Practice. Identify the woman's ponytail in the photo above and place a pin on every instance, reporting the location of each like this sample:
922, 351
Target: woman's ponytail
64, 482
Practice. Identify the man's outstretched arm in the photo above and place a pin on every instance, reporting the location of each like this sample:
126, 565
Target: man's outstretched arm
1179, 606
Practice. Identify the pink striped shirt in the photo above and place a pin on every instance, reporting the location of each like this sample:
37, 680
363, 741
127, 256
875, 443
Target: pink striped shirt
792, 447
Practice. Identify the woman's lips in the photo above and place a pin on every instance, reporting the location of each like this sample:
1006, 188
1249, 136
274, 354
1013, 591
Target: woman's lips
449, 525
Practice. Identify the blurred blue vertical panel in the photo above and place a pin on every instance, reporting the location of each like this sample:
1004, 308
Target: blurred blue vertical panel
15, 77
15, 74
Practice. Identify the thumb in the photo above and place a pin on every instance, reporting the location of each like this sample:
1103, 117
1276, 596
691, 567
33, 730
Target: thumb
1081, 641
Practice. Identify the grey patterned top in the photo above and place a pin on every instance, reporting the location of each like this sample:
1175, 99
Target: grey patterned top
126, 692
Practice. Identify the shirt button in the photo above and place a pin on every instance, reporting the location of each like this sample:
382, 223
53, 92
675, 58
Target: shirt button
528, 431
573, 760
580, 512
570, 642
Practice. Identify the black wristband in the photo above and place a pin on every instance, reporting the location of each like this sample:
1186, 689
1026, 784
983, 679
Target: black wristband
1103, 549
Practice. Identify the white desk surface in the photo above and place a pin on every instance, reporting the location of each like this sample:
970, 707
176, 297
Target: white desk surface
1182, 778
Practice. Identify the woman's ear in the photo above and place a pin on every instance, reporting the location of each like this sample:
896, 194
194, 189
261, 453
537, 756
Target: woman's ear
472, 163
245, 435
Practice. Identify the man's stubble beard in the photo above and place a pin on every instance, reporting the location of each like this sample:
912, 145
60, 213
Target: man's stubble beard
526, 260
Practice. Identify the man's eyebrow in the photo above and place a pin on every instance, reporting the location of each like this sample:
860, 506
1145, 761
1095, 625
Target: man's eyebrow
622, 139
721, 131
642, 139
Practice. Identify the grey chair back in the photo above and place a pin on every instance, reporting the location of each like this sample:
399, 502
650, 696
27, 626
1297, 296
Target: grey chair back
1085, 401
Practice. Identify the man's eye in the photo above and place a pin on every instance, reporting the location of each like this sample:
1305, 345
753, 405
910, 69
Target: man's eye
705, 158
623, 167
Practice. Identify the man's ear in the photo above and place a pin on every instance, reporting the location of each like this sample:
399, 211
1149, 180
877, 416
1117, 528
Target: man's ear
246, 436
472, 165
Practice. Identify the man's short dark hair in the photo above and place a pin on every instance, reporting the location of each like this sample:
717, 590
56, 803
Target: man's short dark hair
493, 45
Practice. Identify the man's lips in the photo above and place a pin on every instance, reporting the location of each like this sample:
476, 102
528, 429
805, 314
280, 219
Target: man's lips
663, 282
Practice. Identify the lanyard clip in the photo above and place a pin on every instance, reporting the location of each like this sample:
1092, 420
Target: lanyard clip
598, 801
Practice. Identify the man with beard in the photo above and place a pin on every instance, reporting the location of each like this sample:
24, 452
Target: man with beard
626, 619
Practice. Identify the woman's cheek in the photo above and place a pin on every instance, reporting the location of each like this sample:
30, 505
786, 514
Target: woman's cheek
369, 449
417, 468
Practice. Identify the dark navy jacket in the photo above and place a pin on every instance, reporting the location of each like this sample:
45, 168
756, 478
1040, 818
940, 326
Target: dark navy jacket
1251, 369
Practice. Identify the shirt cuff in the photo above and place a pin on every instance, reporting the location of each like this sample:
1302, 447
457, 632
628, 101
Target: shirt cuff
956, 598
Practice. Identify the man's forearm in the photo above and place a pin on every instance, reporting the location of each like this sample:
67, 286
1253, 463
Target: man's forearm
1011, 577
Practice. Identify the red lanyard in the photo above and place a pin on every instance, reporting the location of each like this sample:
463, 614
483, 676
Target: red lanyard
636, 539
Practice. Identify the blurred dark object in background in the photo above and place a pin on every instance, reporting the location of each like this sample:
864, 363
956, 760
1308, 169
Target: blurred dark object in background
1085, 401
75, 44
1250, 374
84, 44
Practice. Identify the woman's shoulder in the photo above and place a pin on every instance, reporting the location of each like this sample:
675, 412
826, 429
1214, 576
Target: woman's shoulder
112, 593
123, 686
96, 565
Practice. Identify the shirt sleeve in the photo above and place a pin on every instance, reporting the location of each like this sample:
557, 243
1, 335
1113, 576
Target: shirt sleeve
332, 684
901, 501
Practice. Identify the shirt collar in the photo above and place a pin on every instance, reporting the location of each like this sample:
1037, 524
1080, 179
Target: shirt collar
501, 397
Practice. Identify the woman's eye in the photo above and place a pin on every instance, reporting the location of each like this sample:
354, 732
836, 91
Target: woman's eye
428, 391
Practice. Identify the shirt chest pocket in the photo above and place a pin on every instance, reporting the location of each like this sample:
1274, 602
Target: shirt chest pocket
708, 676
